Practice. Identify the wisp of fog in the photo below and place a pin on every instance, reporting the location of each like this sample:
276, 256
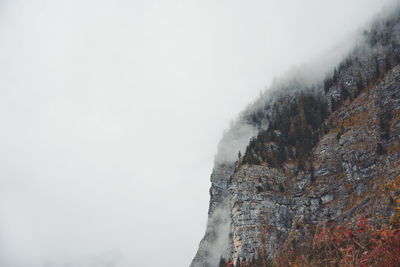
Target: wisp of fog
111, 113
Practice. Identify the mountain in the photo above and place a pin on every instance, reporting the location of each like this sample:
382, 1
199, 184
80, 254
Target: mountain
308, 153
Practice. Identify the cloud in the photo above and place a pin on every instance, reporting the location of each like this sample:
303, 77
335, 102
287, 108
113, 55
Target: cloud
111, 112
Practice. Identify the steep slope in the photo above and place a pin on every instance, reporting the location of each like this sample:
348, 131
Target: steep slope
342, 179
321, 153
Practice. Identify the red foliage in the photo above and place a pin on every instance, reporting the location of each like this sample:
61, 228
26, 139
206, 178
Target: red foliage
364, 243
229, 264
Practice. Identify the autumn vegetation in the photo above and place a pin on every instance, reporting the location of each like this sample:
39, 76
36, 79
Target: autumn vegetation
295, 127
373, 241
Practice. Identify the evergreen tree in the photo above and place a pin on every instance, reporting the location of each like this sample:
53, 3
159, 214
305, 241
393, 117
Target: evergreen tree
222, 262
377, 70
237, 264
388, 66
335, 76
379, 149
344, 94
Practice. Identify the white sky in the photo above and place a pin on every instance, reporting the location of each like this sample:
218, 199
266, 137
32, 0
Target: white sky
111, 112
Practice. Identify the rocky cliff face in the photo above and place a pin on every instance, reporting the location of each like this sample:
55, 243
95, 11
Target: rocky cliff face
301, 169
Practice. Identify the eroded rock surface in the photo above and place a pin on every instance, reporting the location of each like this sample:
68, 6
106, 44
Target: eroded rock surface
267, 205
275, 195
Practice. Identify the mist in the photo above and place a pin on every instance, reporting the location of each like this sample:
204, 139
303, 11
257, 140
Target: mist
111, 113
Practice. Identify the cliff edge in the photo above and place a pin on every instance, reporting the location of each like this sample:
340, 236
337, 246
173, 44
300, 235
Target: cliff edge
314, 153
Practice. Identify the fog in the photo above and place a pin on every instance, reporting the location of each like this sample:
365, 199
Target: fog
111, 113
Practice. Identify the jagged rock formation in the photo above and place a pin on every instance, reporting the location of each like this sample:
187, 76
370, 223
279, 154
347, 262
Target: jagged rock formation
217, 238
322, 153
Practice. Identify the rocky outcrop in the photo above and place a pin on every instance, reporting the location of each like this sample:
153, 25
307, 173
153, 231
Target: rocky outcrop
312, 169
216, 240
347, 169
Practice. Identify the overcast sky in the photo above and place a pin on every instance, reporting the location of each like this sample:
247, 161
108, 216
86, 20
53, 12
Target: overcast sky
111, 112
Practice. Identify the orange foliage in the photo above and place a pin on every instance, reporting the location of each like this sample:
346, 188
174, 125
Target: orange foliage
365, 244
368, 242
